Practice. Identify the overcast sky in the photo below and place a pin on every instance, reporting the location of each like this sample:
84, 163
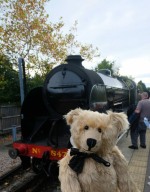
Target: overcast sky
119, 28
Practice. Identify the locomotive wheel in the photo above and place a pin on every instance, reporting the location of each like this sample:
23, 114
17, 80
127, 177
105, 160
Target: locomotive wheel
13, 153
37, 165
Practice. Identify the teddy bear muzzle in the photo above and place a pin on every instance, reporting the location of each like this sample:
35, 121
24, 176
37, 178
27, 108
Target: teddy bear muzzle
91, 143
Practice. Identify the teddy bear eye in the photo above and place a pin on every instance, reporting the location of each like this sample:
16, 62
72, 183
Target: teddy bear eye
86, 127
99, 130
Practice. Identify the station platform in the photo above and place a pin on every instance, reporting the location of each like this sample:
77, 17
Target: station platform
138, 161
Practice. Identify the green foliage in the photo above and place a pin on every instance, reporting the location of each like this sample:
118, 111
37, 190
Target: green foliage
148, 88
105, 64
9, 82
25, 31
35, 81
141, 86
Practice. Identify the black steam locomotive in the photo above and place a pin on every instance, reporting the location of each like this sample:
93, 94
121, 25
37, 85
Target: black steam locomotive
45, 135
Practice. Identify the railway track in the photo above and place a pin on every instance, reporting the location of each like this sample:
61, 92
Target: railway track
10, 173
19, 180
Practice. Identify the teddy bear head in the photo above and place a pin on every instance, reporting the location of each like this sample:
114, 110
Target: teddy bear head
94, 132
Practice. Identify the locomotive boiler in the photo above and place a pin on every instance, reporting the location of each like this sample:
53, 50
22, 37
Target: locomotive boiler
45, 135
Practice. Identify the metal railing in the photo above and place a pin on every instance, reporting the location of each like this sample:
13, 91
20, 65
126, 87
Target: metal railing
7, 122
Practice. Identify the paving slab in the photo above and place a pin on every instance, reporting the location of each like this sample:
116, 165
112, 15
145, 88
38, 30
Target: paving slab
138, 162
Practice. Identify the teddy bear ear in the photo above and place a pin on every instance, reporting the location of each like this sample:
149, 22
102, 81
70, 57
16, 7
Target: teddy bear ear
119, 120
71, 115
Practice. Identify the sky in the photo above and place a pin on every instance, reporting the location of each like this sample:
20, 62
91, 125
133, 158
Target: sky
119, 28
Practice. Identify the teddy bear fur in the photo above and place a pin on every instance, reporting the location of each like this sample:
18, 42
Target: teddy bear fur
96, 177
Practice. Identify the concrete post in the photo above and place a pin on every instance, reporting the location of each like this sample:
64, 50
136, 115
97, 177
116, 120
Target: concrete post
14, 133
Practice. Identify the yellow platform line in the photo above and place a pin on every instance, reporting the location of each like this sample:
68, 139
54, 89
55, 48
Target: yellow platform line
138, 163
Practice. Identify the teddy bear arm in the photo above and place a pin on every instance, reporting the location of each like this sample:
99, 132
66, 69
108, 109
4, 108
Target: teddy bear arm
68, 178
125, 182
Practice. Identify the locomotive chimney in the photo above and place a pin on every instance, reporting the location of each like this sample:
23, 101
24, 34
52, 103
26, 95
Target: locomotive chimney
74, 60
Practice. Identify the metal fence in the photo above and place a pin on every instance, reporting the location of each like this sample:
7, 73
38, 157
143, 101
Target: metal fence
9, 116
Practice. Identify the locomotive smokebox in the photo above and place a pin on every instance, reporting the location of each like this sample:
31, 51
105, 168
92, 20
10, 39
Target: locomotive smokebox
74, 60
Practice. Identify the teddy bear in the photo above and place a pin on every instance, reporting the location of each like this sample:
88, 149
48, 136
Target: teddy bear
95, 163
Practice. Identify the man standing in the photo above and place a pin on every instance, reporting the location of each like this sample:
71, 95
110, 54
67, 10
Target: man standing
142, 110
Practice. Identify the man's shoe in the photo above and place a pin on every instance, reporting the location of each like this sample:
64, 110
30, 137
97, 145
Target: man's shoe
143, 146
133, 147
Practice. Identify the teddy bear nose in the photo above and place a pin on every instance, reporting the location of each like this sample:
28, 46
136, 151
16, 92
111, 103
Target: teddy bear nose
91, 143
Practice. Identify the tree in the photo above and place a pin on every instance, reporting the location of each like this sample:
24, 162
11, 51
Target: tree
35, 81
26, 31
9, 82
105, 64
141, 86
